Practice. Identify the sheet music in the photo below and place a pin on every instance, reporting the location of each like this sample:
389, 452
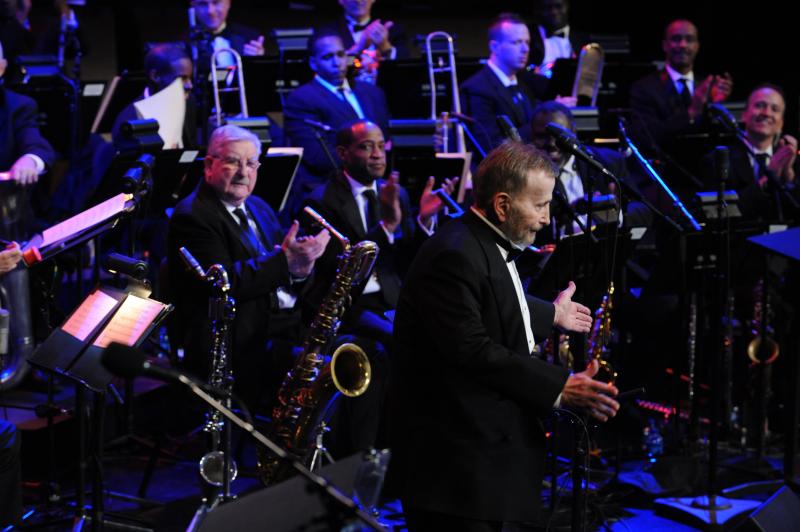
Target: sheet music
168, 107
130, 322
89, 315
85, 220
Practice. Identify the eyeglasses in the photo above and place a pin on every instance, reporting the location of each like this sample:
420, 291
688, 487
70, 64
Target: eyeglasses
236, 164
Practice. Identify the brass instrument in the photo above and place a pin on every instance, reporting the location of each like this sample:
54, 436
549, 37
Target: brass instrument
588, 74
600, 336
311, 385
760, 330
450, 68
239, 84
222, 310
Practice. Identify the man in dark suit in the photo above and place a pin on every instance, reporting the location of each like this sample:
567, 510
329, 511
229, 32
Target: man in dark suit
24, 153
364, 206
554, 38
494, 89
220, 222
575, 177
212, 18
331, 101
163, 64
766, 153
469, 445
671, 101
361, 32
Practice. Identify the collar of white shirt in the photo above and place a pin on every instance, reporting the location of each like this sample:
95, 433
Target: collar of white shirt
358, 188
507, 81
333, 88
498, 231
674, 75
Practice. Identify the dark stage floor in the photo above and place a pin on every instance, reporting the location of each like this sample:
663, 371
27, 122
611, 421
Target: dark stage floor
173, 492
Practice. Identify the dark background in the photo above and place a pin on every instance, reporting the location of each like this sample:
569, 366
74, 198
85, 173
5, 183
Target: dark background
753, 42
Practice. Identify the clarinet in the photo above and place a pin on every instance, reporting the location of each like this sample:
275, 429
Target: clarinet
216, 466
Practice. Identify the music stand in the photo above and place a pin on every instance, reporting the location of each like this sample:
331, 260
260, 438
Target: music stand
73, 350
122, 90
276, 175
269, 80
787, 244
415, 166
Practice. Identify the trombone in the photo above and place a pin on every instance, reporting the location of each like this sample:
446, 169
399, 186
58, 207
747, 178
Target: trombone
441, 67
239, 85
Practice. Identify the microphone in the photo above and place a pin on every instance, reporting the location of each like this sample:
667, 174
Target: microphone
117, 263
192, 263
624, 148
463, 117
722, 163
128, 362
568, 142
723, 116
317, 125
507, 127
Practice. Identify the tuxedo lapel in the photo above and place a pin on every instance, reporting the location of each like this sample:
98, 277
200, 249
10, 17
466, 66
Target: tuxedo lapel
340, 110
504, 95
216, 206
342, 197
502, 287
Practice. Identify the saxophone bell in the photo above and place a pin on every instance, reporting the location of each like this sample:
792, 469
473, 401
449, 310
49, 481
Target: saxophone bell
212, 465
350, 370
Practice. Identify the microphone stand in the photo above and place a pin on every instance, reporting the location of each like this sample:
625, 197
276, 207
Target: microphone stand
573, 215
472, 138
324, 144
325, 488
651, 172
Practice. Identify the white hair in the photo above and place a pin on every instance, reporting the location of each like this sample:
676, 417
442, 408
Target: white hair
229, 133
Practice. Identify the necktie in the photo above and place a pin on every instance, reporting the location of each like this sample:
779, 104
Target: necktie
686, 95
373, 208
762, 160
341, 92
244, 224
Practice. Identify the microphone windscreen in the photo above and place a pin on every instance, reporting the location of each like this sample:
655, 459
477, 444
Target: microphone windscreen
122, 360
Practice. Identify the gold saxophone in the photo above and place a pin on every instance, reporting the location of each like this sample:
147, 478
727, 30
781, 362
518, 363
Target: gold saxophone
600, 336
311, 385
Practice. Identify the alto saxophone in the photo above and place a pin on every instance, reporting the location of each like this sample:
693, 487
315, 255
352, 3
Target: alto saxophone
221, 310
600, 336
311, 385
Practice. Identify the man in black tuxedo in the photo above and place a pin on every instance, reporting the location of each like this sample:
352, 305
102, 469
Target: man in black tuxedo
469, 446
773, 155
575, 176
494, 89
361, 32
671, 101
331, 101
554, 38
220, 222
163, 64
24, 153
364, 206
212, 18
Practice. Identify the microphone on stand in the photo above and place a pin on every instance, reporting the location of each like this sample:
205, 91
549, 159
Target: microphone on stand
567, 141
317, 125
723, 116
507, 127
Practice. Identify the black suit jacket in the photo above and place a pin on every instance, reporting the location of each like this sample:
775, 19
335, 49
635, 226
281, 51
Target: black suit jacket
468, 394
335, 202
483, 97
19, 132
659, 110
397, 35
313, 101
754, 203
201, 224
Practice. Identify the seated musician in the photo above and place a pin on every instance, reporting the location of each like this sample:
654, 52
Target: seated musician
766, 153
328, 99
212, 18
221, 222
574, 175
363, 205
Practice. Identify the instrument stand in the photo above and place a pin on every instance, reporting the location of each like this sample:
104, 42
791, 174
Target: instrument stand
320, 451
711, 509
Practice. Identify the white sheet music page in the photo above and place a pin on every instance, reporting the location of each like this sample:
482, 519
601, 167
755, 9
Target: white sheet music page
85, 220
168, 106
130, 321
88, 316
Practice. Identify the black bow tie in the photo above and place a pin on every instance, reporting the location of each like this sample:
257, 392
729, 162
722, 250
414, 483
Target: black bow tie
513, 254
558, 33
513, 251
359, 27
